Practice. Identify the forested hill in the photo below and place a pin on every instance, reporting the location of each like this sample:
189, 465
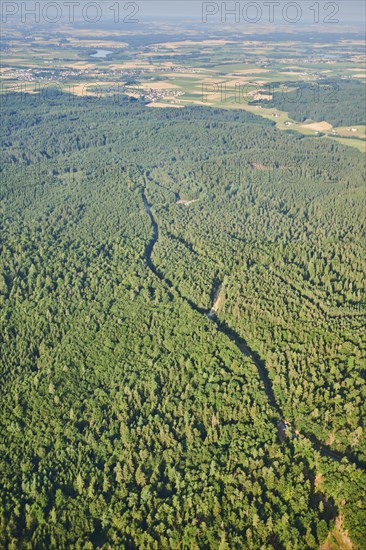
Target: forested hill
131, 419
338, 101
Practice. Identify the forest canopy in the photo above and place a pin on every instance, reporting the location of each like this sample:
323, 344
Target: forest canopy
340, 102
129, 417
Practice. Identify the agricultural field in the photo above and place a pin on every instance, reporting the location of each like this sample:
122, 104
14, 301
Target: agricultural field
218, 72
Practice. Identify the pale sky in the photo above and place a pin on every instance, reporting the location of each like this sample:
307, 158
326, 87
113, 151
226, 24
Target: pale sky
348, 9
246, 13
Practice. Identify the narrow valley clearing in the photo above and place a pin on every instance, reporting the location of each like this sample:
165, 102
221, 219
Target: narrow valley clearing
240, 343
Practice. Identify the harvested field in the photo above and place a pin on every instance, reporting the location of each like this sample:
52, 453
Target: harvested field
164, 105
318, 126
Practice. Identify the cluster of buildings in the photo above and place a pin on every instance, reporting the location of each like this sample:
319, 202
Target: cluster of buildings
35, 75
182, 70
154, 95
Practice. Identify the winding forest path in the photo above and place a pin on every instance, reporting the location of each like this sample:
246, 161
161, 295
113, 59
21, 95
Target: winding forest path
242, 346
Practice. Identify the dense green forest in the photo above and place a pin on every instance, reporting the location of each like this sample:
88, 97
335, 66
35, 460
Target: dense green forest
129, 417
338, 101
